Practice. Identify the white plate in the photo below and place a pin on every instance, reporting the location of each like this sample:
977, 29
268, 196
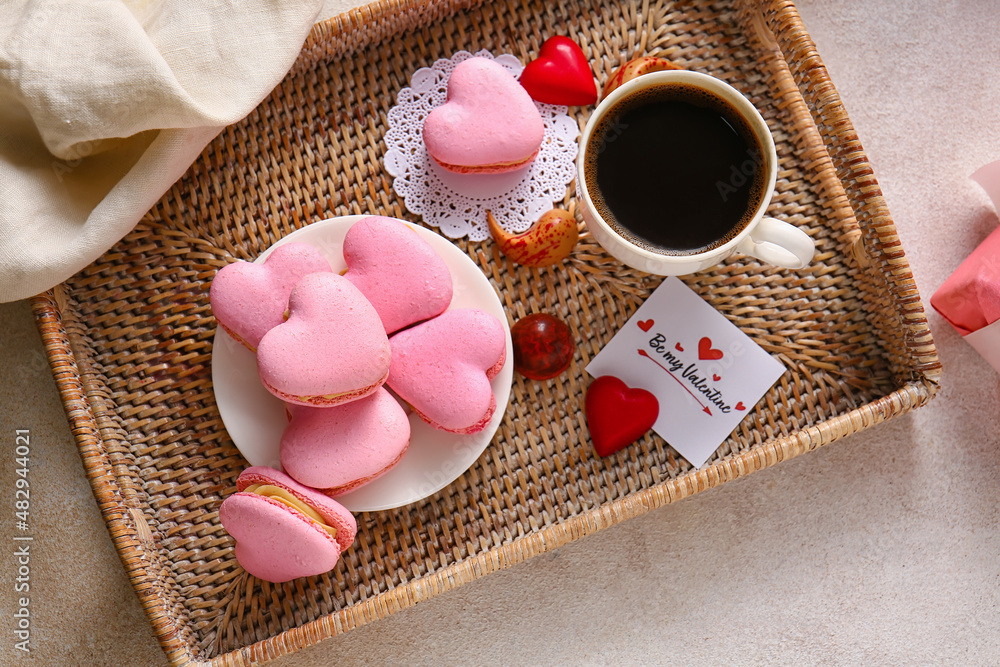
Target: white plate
255, 419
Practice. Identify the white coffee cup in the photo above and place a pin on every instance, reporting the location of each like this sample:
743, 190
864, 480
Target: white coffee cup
767, 239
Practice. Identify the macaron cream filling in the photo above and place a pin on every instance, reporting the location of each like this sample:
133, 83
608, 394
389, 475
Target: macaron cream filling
504, 166
282, 496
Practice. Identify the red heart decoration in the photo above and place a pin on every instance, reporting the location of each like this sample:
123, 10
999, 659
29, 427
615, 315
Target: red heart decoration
740, 406
706, 351
618, 415
560, 74
678, 347
716, 377
646, 325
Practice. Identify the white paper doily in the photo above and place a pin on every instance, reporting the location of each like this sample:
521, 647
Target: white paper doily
457, 203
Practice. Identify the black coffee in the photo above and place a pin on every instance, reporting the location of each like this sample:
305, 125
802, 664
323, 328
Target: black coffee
675, 169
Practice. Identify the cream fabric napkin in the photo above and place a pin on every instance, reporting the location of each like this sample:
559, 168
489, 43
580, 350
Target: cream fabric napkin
105, 103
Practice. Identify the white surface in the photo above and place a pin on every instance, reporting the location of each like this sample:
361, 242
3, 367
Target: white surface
880, 549
456, 204
255, 419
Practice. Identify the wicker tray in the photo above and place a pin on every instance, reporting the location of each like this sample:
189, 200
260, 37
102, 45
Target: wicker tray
129, 338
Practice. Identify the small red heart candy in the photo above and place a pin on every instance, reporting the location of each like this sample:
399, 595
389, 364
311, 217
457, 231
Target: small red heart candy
646, 325
560, 74
740, 406
716, 377
678, 347
618, 415
706, 351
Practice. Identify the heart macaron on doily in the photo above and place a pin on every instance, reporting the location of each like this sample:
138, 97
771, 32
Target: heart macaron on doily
457, 203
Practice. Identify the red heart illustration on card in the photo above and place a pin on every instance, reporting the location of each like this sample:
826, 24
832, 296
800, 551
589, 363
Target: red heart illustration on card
716, 377
618, 415
740, 406
645, 325
706, 351
560, 74
678, 347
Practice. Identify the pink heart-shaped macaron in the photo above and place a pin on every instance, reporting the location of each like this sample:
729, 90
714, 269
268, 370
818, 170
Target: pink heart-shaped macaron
278, 541
248, 300
443, 368
397, 271
341, 448
489, 124
331, 350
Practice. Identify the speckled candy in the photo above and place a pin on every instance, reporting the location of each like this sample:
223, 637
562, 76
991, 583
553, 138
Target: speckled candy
543, 346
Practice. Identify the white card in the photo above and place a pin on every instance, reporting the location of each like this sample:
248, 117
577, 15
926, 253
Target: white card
706, 374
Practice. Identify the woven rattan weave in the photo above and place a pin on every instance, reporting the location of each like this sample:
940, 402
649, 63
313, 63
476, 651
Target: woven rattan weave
130, 337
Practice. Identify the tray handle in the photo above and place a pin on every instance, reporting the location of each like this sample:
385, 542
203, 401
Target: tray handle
858, 179
129, 531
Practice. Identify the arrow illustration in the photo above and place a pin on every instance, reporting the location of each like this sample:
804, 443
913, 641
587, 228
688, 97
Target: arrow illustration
704, 407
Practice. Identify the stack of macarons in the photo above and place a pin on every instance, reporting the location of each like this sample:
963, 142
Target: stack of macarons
328, 345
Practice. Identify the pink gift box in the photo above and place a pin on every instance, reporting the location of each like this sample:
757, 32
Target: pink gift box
970, 298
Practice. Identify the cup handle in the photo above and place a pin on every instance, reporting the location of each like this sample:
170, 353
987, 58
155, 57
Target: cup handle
778, 243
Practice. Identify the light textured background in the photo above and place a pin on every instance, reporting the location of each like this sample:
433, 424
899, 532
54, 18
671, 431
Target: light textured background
881, 548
